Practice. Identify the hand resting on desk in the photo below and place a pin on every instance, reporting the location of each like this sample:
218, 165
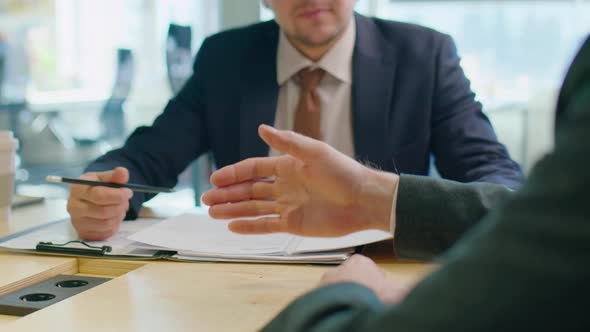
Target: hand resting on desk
362, 270
97, 212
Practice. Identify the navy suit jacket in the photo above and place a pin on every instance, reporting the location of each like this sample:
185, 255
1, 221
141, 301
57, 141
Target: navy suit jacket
410, 100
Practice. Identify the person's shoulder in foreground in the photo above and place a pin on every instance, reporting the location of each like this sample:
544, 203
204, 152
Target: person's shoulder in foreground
525, 267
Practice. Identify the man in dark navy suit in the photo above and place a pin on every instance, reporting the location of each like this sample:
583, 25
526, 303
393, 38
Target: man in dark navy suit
386, 93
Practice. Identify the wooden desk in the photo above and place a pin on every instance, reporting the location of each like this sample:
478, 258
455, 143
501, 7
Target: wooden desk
162, 296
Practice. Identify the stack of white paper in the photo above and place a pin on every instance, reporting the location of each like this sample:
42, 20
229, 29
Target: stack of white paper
196, 235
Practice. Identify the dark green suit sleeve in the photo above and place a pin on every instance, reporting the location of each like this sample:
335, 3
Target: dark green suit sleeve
525, 267
432, 214
350, 304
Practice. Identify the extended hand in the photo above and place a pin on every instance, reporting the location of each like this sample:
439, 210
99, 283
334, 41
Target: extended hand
314, 190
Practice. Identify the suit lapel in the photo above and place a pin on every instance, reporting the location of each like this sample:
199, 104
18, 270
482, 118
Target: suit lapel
259, 91
373, 76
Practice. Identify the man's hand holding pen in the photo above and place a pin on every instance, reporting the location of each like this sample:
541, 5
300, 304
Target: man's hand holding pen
97, 211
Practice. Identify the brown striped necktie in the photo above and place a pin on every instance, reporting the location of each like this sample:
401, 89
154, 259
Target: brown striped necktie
307, 114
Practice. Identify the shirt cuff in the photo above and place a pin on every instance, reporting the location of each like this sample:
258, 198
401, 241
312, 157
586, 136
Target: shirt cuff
393, 210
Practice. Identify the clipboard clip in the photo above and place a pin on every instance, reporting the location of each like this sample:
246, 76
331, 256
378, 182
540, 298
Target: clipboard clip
61, 248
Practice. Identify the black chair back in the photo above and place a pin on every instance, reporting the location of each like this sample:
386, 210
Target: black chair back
178, 56
112, 116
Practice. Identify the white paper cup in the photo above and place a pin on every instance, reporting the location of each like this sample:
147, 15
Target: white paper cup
8, 147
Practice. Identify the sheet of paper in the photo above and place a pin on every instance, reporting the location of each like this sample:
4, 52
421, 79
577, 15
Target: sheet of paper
317, 244
58, 232
199, 233
319, 258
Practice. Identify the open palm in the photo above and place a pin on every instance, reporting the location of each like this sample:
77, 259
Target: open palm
314, 190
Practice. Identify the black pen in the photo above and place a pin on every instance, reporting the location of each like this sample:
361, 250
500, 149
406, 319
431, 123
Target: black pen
135, 187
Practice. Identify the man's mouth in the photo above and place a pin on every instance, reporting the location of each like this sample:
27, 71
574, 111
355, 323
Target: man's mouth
312, 12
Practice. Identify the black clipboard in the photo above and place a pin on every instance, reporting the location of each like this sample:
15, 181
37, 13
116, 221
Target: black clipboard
62, 248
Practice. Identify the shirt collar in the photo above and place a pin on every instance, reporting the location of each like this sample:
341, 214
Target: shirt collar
337, 61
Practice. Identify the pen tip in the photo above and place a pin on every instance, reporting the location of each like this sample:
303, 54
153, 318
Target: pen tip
53, 178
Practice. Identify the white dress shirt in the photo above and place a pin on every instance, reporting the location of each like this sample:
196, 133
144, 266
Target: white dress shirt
334, 89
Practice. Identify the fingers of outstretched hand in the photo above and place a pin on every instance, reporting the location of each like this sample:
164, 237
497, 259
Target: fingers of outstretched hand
299, 146
251, 208
246, 170
239, 192
259, 226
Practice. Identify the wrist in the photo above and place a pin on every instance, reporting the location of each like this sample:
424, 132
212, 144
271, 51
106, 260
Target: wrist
376, 198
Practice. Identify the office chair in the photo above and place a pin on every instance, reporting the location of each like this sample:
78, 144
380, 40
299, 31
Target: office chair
178, 56
112, 117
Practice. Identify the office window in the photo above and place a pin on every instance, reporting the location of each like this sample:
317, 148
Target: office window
511, 49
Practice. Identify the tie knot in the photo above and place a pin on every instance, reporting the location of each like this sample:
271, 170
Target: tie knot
309, 79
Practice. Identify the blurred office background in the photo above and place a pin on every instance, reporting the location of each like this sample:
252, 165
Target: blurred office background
77, 76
